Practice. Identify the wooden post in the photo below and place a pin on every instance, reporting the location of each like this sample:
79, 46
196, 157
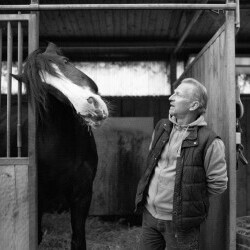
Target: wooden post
9, 81
19, 114
1, 54
119, 6
230, 65
188, 28
173, 71
32, 175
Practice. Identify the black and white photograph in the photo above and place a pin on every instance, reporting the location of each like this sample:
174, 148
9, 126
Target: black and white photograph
124, 125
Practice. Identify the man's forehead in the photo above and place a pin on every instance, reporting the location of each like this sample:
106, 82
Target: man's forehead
185, 87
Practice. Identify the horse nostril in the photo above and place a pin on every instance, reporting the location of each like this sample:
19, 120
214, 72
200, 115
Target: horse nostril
90, 100
93, 101
98, 113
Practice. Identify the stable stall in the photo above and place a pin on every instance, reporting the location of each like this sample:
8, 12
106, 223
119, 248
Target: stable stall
214, 66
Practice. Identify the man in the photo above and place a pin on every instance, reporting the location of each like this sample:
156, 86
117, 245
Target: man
186, 164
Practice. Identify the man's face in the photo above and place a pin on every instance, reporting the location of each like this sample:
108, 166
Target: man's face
181, 100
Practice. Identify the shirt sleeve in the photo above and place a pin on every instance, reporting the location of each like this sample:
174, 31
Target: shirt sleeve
216, 168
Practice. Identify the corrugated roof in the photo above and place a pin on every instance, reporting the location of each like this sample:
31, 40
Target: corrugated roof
137, 32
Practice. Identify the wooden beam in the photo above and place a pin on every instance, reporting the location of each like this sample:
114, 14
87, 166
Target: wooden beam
188, 28
33, 41
230, 60
19, 106
14, 161
173, 71
206, 47
194, 6
116, 46
9, 83
14, 17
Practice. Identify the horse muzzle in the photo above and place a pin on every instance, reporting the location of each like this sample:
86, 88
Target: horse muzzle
95, 119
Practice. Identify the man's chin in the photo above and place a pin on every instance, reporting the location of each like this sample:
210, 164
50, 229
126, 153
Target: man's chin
171, 112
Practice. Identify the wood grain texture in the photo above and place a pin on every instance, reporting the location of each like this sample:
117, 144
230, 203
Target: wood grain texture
14, 209
214, 67
32, 173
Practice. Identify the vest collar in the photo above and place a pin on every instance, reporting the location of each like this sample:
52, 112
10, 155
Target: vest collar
192, 139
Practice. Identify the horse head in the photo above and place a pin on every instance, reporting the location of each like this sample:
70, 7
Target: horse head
51, 72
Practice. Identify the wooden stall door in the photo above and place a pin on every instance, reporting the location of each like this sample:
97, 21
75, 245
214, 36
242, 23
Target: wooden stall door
215, 68
18, 185
122, 146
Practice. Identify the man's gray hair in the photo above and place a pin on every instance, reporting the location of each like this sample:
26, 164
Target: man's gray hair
200, 94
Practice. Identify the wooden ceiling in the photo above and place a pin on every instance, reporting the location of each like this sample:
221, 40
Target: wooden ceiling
137, 33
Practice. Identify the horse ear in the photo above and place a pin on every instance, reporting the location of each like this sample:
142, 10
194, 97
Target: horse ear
18, 77
52, 49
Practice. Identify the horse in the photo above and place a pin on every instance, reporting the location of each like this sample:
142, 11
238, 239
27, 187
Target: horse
67, 105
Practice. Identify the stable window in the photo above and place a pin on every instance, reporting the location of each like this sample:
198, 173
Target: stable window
136, 78
243, 74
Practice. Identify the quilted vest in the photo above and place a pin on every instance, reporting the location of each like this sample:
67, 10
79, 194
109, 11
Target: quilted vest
190, 201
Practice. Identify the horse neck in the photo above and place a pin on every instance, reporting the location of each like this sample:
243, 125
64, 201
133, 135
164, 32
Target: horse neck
61, 116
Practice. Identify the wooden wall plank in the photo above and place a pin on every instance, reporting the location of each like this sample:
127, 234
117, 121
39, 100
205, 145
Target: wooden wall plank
95, 23
109, 22
131, 23
86, 21
21, 214
174, 23
144, 22
14, 209
117, 22
71, 23
7, 197
102, 24
152, 22
76, 20
138, 21
213, 69
64, 23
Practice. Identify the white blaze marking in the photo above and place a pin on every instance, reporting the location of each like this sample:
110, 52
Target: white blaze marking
77, 95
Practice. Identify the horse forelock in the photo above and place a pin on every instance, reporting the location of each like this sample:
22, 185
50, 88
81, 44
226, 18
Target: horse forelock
35, 64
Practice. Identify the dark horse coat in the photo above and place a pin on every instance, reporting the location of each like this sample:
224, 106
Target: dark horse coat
67, 104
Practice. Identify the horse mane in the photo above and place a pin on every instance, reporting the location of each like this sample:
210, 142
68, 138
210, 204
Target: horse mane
35, 64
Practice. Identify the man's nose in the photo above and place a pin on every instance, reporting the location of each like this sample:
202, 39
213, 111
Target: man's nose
171, 97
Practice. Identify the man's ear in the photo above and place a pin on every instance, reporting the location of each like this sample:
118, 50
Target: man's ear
194, 105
